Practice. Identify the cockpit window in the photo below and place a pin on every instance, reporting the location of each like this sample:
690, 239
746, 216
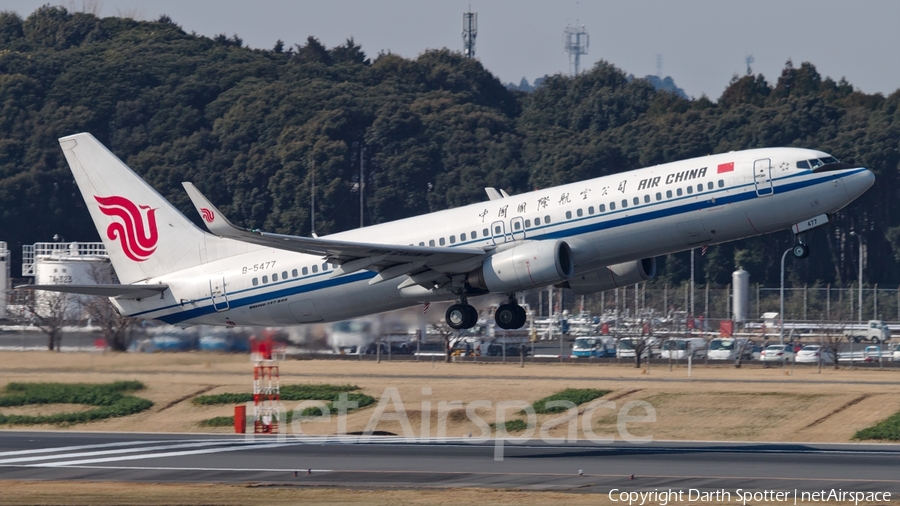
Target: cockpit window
802, 164
816, 163
829, 159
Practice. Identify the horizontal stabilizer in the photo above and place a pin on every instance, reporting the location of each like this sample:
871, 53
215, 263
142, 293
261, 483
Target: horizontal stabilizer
120, 291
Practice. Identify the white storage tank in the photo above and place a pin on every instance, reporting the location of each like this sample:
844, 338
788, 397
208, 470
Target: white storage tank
740, 281
75, 263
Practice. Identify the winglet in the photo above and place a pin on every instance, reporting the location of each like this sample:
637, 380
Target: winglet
215, 221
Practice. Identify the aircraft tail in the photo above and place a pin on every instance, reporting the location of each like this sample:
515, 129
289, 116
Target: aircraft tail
144, 234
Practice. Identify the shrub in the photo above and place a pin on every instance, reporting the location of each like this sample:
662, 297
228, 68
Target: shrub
576, 395
109, 399
888, 429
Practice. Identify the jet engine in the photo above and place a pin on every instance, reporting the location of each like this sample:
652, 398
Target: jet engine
613, 276
527, 265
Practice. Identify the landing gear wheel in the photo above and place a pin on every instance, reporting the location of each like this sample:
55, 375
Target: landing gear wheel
522, 316
473, 316
510, 316
800, 251
461, 316
457, 316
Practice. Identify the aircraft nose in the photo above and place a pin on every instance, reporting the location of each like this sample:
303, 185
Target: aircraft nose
859, 183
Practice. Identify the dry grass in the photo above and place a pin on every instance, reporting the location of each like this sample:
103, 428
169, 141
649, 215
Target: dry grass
716, 403
727, 404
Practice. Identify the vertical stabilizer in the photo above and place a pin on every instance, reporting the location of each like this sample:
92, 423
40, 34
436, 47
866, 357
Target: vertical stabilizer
144, 234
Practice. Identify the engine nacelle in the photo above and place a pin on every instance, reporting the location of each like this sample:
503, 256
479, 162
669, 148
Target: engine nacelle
528, 265
614, 276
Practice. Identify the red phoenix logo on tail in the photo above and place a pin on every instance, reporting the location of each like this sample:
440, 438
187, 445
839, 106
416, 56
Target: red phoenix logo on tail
208, 215
138, 239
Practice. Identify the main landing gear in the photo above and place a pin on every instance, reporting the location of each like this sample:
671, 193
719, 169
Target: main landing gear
510, 316
462, 315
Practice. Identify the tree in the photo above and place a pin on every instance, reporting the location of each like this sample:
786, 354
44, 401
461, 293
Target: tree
113, 326
49, 311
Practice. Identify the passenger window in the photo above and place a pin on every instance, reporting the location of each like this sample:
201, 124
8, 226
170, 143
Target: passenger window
274, 277
431, 243
721, 183
646, 199
579, 212
485, 233
658, 196
624, 203
568, 215
497, 230
527, 223
612, 206
678, 191
284, 275
305, 271
547, 219
452, 239
635, 201
668, 194
462, 237
294, 273
602, 208
699, 187
315, 269
255, 281
537, 221
441, 241
517, 225
690, 190
709, 185
265, 279
590, 209
474, 235
325, 267
421, 244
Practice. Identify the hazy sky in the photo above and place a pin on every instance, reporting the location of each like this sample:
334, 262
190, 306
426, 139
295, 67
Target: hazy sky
702, 43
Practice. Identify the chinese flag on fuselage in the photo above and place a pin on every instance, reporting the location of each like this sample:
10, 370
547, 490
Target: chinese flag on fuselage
725, 167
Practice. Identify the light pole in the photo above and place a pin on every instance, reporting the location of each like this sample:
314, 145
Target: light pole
858, 236
783, 256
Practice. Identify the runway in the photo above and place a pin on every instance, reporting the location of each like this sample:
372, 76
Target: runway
392, 462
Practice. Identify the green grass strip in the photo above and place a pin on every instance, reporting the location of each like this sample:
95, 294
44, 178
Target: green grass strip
323, 392
512, 426
109, 399
577, 396
888, 430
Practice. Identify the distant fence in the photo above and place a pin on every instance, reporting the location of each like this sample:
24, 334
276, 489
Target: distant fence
800, 304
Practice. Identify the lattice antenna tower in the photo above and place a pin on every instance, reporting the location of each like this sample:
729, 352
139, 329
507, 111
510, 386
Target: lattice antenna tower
749, 59
576, 42
469, 32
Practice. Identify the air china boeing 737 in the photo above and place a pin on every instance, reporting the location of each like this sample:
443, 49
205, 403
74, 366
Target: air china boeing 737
588, 236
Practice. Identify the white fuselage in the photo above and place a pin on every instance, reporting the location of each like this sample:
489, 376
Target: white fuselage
606, 221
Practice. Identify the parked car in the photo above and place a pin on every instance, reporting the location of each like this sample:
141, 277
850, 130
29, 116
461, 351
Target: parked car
777, 353
812, 353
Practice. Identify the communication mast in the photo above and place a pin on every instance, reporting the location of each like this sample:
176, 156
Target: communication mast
576, 43
267, 408
469, 31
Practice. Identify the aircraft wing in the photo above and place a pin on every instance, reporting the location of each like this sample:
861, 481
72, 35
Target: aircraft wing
120, 291
425, 264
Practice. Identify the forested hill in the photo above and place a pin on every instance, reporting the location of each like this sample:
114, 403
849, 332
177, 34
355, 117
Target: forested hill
252, 128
